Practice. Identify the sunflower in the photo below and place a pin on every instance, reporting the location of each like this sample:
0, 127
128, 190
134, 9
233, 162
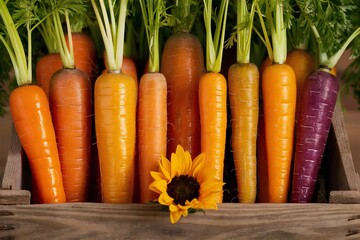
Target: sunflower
183, 184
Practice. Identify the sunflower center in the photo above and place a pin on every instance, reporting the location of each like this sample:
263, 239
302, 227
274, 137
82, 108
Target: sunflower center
182, 188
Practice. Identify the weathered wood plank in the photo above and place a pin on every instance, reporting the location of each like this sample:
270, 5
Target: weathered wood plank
347, 197
12, 178
147, 221
14, 197
342, 174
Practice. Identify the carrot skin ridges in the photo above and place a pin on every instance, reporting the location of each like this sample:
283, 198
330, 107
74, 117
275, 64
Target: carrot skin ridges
71, 110
243, 81
317, 106
45, 68
182, 64
31, 116
279, 96
152, 129
213, 121
115, 98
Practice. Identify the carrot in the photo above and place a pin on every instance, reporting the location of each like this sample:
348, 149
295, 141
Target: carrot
152, 126
213, 95
318, 102
243, 83
30, 112
152, 115
279, 97
115, 103
182, 63
70, 97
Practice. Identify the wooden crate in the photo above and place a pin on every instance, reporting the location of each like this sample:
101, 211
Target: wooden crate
341, 180
20, 219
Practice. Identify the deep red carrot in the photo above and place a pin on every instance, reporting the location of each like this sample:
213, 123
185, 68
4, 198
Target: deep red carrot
71, 109
30, 113
182, 64
70, 97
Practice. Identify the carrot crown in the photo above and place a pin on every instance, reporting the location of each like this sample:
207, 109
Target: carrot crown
112, 31
215, 45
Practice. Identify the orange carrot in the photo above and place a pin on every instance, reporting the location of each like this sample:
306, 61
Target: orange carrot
213, 95
279, 96
152, 114
30, 113
243, 80
71, 109
303, 63
279, 93
213, 121
37, 136
115, 103
115, 111
152, 126
45, 68
182, 64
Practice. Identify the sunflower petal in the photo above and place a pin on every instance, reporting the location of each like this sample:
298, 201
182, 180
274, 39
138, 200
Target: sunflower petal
157, 176
158, 186
197, 165
165, 167
175, 216
177, 162
165, 199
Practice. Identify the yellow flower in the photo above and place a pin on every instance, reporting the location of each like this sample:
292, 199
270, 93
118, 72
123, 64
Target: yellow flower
183, 184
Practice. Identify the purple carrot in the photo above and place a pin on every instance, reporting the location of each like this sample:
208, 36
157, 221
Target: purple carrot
315, 113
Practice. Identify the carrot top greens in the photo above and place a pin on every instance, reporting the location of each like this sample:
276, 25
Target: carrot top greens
242, 35
215, 43
331, 26
112, 30
185, 13
154, 16
278, 15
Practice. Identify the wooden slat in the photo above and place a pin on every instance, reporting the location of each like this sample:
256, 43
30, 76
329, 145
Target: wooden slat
347, 197
143, 221
342, 174
12, 178
14, 197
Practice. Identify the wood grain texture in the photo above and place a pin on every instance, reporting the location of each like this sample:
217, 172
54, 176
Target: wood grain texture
12, 178
148, 221
14, 197
338, 153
